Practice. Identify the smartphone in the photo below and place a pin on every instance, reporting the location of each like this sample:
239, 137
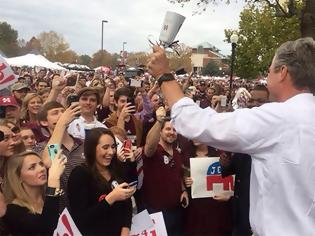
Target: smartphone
183, 202
134, 183
135, 83
132, 102
223, 101
71, 81
127, 144
53, 150
72, 98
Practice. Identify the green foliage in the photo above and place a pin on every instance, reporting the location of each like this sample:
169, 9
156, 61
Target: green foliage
85, 60
260, 34
212, 69
8, 40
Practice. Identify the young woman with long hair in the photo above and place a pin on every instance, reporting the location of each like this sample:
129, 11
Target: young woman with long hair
32, 194
99, 198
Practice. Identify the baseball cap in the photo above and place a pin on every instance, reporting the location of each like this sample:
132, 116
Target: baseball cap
8, 101
18, 86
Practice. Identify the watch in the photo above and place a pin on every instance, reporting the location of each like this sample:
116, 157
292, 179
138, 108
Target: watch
54, 192
165, 77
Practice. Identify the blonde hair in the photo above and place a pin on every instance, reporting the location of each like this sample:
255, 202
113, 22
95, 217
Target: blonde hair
13, 189
26, 100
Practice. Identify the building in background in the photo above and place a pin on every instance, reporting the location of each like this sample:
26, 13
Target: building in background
204, 53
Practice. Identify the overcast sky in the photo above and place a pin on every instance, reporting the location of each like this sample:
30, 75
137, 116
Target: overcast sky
79, 21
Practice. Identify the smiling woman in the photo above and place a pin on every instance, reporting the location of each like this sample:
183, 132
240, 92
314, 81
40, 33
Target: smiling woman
24, 186
30, 107
99, 198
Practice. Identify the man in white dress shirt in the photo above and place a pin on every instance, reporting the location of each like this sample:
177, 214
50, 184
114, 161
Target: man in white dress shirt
279, 136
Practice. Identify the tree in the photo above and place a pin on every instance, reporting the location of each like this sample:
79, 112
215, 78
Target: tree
33, 46
260, 34
103, 58
8, 40
137, 58
68, 56
304, 10
52, 44
85, 60
212, 69
181, 60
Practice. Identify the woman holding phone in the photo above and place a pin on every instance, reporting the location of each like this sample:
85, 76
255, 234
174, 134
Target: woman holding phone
99, 198
32, 194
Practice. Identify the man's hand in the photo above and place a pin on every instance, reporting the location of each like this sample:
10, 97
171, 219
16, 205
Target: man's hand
158, 63
70, 114
184, 199
127, 111
58, 83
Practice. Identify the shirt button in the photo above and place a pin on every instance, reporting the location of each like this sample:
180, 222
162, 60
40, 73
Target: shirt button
238, 181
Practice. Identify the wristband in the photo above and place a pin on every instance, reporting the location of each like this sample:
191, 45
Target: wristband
165, 77
102, 197
184, 190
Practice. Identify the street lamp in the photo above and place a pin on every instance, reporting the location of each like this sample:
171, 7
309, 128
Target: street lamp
123, 53
103, 21
233, 39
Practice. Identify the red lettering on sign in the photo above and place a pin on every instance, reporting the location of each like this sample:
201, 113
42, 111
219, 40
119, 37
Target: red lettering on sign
66, 223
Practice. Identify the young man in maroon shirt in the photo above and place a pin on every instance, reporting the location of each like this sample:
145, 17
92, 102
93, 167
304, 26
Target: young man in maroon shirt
163, 188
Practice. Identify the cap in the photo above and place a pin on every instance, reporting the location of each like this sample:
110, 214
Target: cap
90, 90
18, 86
8, 101
202, 82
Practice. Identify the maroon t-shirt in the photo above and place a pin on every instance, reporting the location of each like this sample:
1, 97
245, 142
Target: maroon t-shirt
162, 179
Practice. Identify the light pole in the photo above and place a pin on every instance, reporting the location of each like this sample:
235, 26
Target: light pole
123, 53
233, 39
103, 21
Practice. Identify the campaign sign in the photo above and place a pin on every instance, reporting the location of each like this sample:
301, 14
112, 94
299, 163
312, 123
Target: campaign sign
141, 227
207, 179
7, 77
66, 226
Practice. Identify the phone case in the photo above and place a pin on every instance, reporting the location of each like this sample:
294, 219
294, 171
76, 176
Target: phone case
53, 150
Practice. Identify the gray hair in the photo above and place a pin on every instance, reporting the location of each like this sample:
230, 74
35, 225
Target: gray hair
299, 57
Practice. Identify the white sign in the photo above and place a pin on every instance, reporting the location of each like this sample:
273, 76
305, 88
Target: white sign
141, 221
207, 179
66, 226
171, 25
7, 77
157, 227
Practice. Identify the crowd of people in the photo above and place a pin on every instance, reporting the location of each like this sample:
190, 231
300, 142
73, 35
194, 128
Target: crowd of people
106, 149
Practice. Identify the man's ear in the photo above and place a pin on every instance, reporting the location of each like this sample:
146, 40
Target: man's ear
283, 73
43, 123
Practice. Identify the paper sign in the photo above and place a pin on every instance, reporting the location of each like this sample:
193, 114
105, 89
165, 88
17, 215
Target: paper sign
7, 77
141, 221
171, 25
140, 228
207, 179
66, 226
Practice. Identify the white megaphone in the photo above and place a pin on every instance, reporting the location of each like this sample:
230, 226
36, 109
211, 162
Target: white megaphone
171, 25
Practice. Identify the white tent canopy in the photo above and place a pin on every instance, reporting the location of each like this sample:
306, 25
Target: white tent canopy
32, 60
